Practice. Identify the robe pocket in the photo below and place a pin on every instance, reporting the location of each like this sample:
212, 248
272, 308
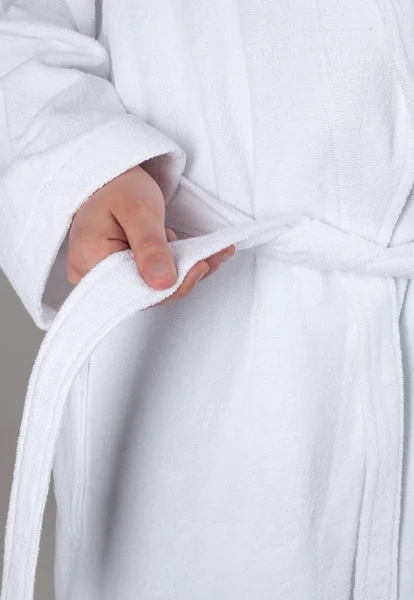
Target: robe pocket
69, 468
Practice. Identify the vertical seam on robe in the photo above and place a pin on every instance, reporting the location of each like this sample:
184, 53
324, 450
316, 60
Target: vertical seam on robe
369, 334
244, 45
353, 311
6, 151
371, 432
80, 487
399, 375
206, 127
253, 313
399, 62
374, 498
326, 63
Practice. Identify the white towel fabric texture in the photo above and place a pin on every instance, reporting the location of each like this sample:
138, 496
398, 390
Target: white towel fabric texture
246, 441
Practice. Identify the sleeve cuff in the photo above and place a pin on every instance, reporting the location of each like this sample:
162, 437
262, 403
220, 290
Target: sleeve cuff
107, 152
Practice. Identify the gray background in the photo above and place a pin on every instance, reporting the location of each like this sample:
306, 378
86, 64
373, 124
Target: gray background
19, 342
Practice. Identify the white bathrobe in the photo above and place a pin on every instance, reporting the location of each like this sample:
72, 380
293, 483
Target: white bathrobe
245, 442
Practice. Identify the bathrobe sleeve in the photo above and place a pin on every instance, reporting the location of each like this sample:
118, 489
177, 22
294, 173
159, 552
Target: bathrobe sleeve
64, 133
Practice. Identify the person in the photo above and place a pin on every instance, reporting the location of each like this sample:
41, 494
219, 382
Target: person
243, 172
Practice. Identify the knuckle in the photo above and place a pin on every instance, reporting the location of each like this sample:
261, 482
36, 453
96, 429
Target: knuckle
82, 257
153, 240
130, 207
123, 205
152, 245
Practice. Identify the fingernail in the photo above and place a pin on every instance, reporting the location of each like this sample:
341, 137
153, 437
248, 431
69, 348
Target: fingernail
159, 270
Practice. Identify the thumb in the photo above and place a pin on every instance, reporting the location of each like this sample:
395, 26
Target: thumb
148, 241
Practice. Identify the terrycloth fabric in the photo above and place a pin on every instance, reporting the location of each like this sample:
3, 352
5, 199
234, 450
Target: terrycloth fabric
406, 571
112, 293
246, 441
403, 234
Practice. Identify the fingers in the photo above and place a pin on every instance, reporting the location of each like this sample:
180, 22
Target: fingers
93, 236
190, 280
200, 271
171, 237
216, 260
143, 223
129, 212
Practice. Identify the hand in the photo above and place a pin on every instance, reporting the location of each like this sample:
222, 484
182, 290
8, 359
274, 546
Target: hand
129, 212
